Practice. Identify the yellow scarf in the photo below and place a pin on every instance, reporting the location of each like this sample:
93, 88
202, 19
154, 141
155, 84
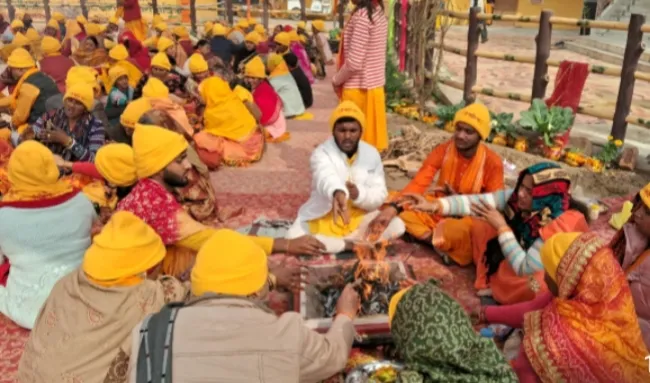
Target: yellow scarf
280, 70
225, 114
14, 94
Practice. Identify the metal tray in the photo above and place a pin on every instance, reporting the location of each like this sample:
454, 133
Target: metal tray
362, 373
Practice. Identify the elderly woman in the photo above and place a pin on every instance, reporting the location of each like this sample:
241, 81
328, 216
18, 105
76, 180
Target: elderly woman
90, 53
44, 231
505, 246
161, 68
85, 325
586, 328
72, 131
267, 100
285, 86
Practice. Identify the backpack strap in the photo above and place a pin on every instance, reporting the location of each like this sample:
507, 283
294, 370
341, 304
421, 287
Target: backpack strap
156, 337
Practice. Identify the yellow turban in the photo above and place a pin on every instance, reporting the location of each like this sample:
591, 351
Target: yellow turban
348, 109
116, 163
283, 38
155, 88
126, 247
319, 25
161, 60
115, 73
392, 305
225, 114
32, 35
645, 195
20, 59
50, 46
53, 24
255, 68
181, 31
20, 40
554, 249
301, 25
243, 94
118, 53
259, 28
58, 16
81, 74
207, 26
17, 24
161, 27
253, 37
157, 19
218, 30
155, 148
109, 44
477, 116
114, 20
229, 263
198, 64
82, 20
93, 29
251, 21
33, 174
134, 111
303, 39
243, 24
83, 93
274, 61
164, 43
293, 36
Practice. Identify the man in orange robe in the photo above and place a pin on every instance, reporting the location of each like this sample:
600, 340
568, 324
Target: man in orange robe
464, 165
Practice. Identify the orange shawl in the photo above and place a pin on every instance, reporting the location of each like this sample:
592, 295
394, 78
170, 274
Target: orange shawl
472, 179
93, 58
590, 332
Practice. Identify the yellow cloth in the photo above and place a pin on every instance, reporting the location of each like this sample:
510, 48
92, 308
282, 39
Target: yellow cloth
133, 112
138, 28
119, 53
20, 40
53, 24
303, 40
115, 73
17, 24
164, 43
180, 31
283, 38
83, 93
109, 44
554, 249
255, 68
134, 72
114, 20
319, 25
219, 30
645, 195
155, 88
392, 305
81, 74
243, 94
251, 21
347, 109
82, 20
50, 46
253, 37
21, 59
207, 27
619, 219
301, 25
229, 263
293, 36
116, 163
157, 19
225, 114
242, 24
274, 62
93, 29
161, 60
307, 116
160, 27
126, 248
373, 104
33, 174
155, 148
198, 64
58, 16
477, 116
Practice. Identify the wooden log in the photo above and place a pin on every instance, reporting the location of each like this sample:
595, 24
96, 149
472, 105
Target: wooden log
303, 10
193, 16
229, 12
265, 14
633, 50
471, 59
542, 53
154, 6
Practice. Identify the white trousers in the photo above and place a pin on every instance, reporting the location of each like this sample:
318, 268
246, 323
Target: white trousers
336, 245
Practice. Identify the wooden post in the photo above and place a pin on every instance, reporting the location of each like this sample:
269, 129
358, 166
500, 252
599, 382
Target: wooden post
471, 60
428, 54
633, 50
154, 6
48, 10
265, 14
303, 10
229, 12
12, 11
542, 53
193, 16
341, 10
84, 8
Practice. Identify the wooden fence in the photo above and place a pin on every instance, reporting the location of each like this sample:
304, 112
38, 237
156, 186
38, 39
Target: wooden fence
541, 60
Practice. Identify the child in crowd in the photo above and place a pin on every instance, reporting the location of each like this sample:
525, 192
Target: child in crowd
120, 95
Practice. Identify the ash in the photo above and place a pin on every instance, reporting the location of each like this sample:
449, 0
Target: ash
376, 302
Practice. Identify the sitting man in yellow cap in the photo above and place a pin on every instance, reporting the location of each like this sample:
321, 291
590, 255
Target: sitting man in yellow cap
162, 70
99, 303
463, 165
59, 18
247, 51
119, 56
321, 46
52, 29
227, 334
54, 64
161, 165
238, 33
221, 47
120, 96
267, 100
131, 116
91, 51
182, 37
285, 86
15, 27
348, 188
27, 102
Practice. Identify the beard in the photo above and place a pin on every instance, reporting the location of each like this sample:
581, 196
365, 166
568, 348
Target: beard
174, 180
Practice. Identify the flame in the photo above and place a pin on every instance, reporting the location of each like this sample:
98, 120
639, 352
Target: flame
372, 265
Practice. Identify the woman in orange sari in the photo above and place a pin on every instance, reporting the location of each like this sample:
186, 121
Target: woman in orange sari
586, 329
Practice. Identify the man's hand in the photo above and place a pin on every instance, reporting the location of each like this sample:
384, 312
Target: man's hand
289, 277
54, 136
490, 214
353, 190
381, 221
340, 208
447, 190
307, 245
349, 302
418, 202
61, 163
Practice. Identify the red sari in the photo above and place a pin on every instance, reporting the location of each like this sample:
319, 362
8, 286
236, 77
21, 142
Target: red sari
270, 104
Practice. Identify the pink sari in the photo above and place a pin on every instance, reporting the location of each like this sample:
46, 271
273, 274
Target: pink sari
303, 60
136, 51
270, 105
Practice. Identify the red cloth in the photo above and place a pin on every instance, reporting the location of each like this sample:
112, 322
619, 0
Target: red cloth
87, 169
137, 52
187, 47
288, 28
267, 100
513, 315
57, 67
569, 82
522, 367
131, 10
4, 272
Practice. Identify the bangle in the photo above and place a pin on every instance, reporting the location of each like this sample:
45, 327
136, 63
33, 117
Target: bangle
504, 229
71, 143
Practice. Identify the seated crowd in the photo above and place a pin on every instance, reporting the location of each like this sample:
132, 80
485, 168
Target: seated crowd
111, 138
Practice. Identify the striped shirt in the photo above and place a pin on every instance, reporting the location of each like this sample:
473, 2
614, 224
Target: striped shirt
364, 51
523, 262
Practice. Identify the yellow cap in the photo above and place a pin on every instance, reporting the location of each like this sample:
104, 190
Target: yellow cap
50, 45
134, 111
251, 21
125, 247
319, 25
243, 24
20, 59
53, 24
161, 27
164, 43
293, 36
198, 64
81, 74
115, 73
83, 93
154, 88
58, 16
161, 60
283, 38
477, 116
32, 35
181, 31
348, 109
229, 263
273, 61
157, 19
301, 25
81, 20
109, 44
255, 68
93, 29
207, 26
20, 40
253, 37
392, 305
554, 249
114, 20
115, 162
259, 28
218, 30
118, 53
155, 148
17, 24
645, 195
